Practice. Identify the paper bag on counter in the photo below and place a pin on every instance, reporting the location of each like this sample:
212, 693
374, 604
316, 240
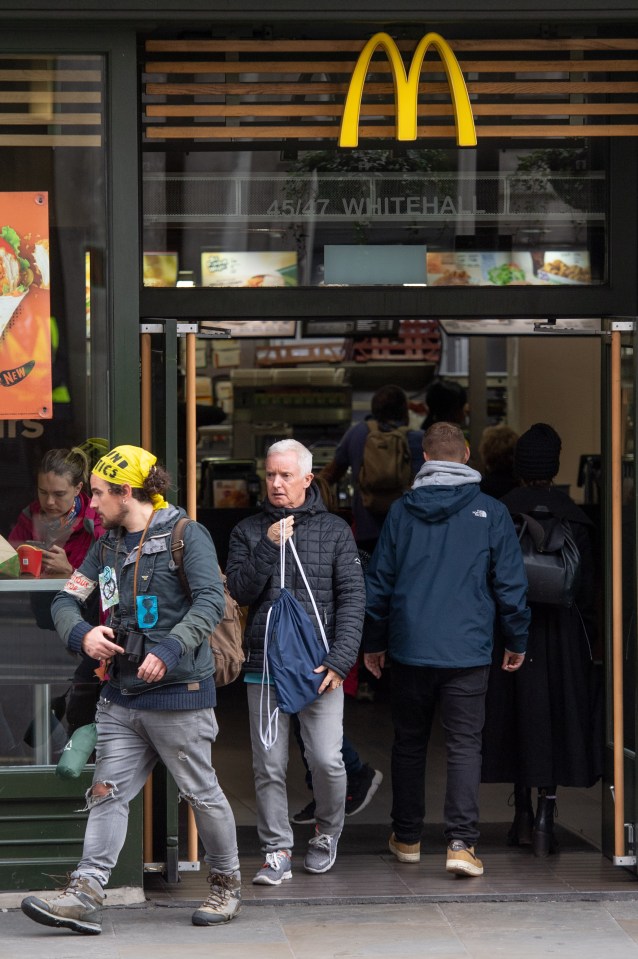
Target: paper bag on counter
9, 562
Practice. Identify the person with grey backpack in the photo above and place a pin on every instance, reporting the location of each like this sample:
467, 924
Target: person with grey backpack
543, 726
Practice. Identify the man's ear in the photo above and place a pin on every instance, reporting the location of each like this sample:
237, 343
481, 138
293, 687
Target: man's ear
467, 453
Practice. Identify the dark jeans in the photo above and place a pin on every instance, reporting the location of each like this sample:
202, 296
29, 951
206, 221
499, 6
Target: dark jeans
415, 691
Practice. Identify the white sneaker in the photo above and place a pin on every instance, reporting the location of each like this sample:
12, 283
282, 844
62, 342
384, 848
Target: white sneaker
276, 868
322, 852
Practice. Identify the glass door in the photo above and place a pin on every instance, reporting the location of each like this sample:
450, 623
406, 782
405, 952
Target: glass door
619, 512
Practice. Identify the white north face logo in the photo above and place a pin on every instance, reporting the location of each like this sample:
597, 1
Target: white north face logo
479, 512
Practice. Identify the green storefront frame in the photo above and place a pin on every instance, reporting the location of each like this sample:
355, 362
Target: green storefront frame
41, 826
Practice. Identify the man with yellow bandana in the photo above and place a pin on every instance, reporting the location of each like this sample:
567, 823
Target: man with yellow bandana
159, 698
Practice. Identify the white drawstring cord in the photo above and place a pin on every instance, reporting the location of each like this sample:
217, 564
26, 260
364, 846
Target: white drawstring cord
268, 735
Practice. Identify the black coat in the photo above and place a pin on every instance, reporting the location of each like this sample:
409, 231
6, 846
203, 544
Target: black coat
328, 554
543, 723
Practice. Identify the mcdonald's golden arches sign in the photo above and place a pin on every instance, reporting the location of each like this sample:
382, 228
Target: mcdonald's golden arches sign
406, 90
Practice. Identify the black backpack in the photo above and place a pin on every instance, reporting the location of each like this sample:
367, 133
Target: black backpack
551, 557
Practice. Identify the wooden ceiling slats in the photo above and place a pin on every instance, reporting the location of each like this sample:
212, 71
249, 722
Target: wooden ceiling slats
50, 98
324, 109
548, 88
354, 46
307, 67
385, 132
282, 89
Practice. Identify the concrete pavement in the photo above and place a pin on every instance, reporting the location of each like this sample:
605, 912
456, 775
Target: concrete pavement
583, 930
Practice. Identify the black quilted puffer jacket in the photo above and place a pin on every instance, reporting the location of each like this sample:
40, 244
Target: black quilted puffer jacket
328, 554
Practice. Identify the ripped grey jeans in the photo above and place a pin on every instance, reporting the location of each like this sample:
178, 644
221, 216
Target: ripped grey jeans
130, 741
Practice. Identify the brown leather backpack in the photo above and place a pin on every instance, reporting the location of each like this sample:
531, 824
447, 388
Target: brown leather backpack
226, 640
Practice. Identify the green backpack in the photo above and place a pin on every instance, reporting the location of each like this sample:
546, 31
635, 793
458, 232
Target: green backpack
386, 470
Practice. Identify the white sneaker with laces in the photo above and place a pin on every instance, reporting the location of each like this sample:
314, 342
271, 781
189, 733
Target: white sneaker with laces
322, 852
276, 868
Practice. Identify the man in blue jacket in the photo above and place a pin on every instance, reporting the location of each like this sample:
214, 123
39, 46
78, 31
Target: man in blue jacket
159, 698
446, 566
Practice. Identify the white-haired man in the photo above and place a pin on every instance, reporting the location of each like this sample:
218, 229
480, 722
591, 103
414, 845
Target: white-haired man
328, 553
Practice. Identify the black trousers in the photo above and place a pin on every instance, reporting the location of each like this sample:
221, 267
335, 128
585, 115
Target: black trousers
460, 694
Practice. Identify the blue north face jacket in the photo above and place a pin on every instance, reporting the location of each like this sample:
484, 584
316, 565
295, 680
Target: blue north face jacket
446, 565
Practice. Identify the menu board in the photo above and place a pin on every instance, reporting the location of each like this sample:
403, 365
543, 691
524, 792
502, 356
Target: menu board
512, 268
25, 314
258, 270
160, 269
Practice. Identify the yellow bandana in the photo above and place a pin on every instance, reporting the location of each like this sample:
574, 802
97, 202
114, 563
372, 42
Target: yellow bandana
128, 464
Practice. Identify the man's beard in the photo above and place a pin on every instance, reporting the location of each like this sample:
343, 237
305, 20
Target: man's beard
115, 521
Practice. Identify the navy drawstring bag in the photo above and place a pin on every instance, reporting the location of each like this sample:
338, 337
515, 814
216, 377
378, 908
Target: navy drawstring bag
292, 652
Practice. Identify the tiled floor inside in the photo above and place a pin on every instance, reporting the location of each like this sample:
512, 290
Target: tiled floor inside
365, 871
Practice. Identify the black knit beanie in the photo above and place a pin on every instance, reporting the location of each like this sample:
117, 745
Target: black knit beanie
537, 453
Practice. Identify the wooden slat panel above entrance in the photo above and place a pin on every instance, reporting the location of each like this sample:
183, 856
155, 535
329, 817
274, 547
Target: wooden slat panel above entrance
295, 89
51, 101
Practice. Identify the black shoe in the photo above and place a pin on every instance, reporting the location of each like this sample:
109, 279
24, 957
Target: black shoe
305, 815
520, 833
543, 840
361, 788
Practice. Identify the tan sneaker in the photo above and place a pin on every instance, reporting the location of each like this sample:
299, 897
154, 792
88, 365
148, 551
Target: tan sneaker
223, 901
461, 859
405, 851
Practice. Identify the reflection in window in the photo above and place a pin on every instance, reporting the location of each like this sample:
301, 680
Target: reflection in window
367, 217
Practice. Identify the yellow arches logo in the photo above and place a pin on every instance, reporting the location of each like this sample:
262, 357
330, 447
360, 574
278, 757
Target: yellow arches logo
406, 90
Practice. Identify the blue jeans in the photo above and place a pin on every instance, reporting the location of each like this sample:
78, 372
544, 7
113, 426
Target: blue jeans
322, 732
130, 741
460, 693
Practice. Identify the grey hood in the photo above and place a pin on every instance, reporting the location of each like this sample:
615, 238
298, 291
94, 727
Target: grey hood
443, 473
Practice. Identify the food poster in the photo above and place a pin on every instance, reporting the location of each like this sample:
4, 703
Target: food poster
160, 269
513, 268
448, 268
257, 270
25, 315
564, 267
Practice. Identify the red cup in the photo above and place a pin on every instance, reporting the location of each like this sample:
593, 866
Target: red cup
30, 560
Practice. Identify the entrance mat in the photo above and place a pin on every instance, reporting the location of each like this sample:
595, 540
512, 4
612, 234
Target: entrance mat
372, 839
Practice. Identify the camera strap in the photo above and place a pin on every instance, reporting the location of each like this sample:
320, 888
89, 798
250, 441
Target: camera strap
137, 562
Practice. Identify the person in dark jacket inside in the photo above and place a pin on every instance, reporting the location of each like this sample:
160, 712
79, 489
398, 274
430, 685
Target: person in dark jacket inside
389, 408
496, 453
542, 728
447, 565
446, 402
328, 554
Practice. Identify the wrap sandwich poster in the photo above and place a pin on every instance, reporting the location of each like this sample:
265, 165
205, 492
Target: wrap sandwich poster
25, 315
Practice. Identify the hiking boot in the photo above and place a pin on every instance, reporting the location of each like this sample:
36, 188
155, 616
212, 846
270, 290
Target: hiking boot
223, 901
276, 868
78, 907
322, 852
305, 815
361, 788
405, 851
461, 859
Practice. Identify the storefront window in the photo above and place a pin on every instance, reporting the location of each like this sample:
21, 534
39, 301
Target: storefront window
53, 320
375, 217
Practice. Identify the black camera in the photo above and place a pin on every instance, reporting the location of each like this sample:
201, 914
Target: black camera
132, 642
